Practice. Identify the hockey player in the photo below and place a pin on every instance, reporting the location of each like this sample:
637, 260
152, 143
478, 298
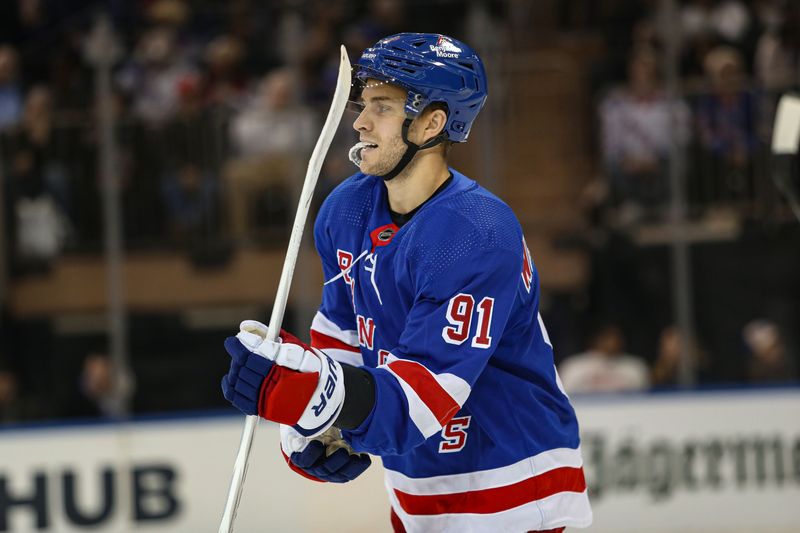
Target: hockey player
428, 349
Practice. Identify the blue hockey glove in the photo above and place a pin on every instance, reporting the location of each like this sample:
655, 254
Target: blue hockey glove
286, 381
326, 457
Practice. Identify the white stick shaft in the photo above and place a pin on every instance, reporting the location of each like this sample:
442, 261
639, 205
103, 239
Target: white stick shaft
312, 173
786, 133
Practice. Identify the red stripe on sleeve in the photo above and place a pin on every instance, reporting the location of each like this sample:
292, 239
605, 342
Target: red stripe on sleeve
441, 404
322, 341
497, 499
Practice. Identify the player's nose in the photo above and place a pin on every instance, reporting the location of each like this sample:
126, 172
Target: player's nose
361, 122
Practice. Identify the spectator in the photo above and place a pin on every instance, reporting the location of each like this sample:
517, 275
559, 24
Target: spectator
777, 57
725, 121
625, 27
383, 17
11, 408
270, 136
666, 369
71, 84
260, 29
777, 63
168, 13
10, 92
104, 392
191, 153
727, 20
318, 58
769, 360
604, 366
227, 80
769, 14
638, 124
38, 184
190, 197
152, 76
708, 23
15, 406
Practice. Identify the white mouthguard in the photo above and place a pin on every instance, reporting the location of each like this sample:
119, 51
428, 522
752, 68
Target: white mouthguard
355, 152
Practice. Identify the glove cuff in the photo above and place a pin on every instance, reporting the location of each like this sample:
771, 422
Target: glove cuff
327, 400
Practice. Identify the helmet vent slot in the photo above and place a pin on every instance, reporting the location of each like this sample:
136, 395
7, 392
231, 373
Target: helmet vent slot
466, 64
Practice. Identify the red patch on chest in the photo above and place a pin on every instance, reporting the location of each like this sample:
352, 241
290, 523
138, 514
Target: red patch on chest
383, 235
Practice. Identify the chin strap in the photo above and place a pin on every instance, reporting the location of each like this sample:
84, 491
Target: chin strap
411, 151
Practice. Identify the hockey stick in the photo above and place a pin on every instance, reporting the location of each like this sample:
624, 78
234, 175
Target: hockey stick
785, 145
312, 173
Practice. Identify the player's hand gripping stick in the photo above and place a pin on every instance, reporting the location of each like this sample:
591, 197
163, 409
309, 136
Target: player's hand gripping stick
284, 381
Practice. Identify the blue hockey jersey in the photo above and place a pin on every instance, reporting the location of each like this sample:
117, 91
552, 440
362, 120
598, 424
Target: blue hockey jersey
470, 420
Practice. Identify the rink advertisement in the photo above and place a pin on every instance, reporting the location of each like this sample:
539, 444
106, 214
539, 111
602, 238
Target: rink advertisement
704, 462
716, 462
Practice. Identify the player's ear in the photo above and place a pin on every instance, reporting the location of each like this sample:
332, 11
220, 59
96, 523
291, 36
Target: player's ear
434, 123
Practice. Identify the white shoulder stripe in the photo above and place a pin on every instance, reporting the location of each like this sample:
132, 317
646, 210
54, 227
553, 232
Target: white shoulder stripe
484, 479
326, 326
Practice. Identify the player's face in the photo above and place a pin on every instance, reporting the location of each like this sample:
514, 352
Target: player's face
380, 123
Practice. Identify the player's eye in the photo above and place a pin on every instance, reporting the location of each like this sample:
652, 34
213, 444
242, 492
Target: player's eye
357, 107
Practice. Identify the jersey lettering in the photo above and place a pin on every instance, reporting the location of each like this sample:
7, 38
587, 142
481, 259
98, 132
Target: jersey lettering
454, 435
459, 314
366, 331
345, 260
482, 338
527, 266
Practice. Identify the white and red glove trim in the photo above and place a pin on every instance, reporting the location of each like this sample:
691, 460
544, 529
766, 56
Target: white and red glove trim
319, 409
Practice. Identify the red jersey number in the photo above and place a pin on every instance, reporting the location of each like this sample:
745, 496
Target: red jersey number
460, 312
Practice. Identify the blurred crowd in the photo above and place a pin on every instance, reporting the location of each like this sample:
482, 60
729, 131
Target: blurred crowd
734, 59
711, 116
217, 106
606, 367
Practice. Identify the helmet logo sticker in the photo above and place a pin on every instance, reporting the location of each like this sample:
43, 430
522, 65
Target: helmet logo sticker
445, 48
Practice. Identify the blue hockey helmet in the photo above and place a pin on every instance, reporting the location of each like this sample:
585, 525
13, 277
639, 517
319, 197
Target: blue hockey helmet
433, 68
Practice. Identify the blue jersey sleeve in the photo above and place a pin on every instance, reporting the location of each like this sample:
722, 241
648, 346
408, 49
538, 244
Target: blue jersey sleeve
334, 326
465, 286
